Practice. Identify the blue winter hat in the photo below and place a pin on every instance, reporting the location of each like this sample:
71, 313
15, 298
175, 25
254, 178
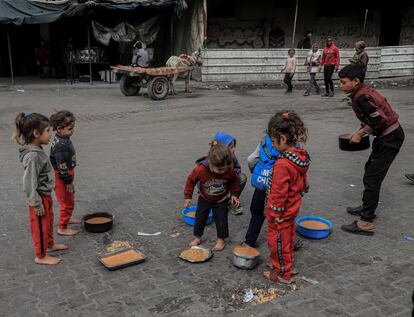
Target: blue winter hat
224, 138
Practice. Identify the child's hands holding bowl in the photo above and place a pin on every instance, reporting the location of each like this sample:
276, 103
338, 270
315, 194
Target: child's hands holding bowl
187, 203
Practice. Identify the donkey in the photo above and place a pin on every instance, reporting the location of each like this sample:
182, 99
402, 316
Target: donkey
185, 64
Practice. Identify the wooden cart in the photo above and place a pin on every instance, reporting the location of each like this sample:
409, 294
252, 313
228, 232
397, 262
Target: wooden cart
156, 80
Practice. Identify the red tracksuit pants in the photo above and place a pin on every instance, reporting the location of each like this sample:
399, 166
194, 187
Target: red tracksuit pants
41, 227
66, 200
280, 243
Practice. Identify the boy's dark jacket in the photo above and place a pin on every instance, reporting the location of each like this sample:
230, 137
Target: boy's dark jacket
63, 157
213, 187
373, 109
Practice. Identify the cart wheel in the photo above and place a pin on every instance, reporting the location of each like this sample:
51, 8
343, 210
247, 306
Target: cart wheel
158, 88
130, 86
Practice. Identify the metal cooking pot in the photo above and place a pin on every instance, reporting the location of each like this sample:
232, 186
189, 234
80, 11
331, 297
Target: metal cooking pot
98, 228
245, 262
344, 144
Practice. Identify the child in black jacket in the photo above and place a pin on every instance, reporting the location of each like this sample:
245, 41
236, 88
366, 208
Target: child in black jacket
63, 159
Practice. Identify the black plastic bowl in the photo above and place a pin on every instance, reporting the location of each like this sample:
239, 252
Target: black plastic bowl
97, 228
344, 144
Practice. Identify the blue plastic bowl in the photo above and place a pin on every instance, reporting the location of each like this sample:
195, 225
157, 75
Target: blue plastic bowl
191, 220
313, 233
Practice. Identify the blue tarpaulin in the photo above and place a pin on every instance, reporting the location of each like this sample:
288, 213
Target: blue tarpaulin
27, 12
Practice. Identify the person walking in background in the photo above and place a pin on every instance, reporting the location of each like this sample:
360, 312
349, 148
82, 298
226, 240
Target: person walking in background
330, 62
360, 57
289, 69
313, 61
306, 41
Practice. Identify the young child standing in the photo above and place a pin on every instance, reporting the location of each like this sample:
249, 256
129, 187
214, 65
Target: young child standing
217, 178
33, 131
313, 61
361, 56
288, 183
226, 139
289, 69
63, 159
260, 163
378, 119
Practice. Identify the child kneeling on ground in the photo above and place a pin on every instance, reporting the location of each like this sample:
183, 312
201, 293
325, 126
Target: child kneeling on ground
287, 185
217, 178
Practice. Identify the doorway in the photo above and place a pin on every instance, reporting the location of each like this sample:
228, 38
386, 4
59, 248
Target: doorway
390, 26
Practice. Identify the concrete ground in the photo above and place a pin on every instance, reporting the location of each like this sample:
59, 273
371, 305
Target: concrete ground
134, 155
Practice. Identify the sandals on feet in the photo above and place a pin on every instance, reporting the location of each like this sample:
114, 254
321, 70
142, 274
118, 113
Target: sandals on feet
353, 228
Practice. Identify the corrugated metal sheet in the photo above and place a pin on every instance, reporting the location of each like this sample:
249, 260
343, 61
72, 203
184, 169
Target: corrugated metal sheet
242, 65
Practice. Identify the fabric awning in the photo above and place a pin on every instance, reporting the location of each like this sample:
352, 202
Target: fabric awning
46, 11
30, 12
81, 8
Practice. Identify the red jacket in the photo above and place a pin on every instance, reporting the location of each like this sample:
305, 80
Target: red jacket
372, 109
213, 187
330, 56
289, 182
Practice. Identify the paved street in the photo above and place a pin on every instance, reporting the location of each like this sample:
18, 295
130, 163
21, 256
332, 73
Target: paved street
134, 155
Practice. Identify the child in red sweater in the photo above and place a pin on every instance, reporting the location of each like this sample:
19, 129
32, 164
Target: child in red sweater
287, 184
216, 177
330, 62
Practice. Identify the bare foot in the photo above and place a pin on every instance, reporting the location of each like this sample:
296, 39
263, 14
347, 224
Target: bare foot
57, 247
196, 241
74, 221
219, 245
67, 232
272, 276
47, 260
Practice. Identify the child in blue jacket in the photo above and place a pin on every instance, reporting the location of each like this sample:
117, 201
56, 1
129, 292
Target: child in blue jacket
260, 163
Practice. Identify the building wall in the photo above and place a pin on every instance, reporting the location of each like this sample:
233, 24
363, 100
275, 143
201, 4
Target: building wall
245, 65
407, 28
250, 26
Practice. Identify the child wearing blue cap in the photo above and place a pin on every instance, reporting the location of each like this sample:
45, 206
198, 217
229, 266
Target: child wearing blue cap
228, 140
